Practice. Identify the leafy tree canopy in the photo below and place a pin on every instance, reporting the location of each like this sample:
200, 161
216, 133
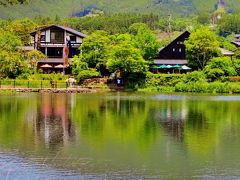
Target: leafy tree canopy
126, 58
201, 46
94, 48
218, 68
144, 40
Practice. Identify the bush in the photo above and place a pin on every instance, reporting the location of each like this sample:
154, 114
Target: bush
195, 76
156, 80
85, 74
219, 68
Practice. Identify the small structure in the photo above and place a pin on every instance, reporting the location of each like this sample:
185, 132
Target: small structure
236, 42
227, 53
58, 43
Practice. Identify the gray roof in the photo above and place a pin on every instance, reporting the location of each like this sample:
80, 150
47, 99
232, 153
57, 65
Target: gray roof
236, 43
170, 61
68, 29
226, 52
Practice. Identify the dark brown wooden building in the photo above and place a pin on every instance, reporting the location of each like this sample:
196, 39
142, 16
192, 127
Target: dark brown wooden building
174, 53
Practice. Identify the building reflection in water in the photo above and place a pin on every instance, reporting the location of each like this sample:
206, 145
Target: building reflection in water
172, 118
53, 124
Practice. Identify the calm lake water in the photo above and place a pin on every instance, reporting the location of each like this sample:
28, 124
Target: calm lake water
119, 136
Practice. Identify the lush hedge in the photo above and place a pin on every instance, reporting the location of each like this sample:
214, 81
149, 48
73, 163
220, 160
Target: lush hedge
156, 80
214, 87
190, 82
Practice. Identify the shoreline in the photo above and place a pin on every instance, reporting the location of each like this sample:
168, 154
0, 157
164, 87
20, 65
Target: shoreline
52, 90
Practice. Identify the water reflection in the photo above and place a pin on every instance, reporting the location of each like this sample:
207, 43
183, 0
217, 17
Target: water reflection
110, 135
53, 123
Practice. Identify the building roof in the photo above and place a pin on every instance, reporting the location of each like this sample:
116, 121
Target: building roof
226, 52
70, 30
170, 61
236, 43
237, 35
185, 32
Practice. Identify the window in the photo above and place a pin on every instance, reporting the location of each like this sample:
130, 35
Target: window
173, 49
73, 38
57, 36
180, 50
43, 38
55, 52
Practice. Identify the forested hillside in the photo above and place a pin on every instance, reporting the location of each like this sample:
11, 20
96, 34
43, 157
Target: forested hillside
64, 8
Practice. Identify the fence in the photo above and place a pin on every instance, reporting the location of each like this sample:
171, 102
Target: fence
30, 84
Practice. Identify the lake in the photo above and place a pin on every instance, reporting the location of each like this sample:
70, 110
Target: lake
119, 136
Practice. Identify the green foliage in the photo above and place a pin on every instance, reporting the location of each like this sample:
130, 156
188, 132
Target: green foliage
11, 64
86, 74
229, 24
77, 66
33, 57
195, 76
214, 87
236, 65
22, 28
95, 48
30, 75
225, 43
8, 41
219, 68
144, 40
111, 23
204, 18
124, 57
201, 46
12, 2
157, 80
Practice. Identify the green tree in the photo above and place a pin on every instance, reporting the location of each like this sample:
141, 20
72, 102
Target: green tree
144, 40
126, 58
204, 18
219, 68
33, 57
9, 41
12, 62
22, 28
201, 46
94, 49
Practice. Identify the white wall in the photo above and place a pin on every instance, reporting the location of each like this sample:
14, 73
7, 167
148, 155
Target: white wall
48, 36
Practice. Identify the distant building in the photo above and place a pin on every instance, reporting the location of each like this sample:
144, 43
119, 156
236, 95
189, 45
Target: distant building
174, 53
58, 43
236, 42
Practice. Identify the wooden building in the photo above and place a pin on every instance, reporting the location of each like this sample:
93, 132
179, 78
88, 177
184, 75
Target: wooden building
174, 53
59, 44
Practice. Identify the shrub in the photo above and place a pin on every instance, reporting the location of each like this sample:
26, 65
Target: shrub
219, 68
195, 76
85, 74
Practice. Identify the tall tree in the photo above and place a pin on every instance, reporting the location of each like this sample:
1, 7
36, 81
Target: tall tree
126, 58
144, 40
201, 46
94, 48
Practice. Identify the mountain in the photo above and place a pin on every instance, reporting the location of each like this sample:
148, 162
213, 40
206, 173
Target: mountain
64, 8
